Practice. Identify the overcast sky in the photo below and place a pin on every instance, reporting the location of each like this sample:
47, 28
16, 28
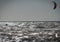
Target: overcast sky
29, 10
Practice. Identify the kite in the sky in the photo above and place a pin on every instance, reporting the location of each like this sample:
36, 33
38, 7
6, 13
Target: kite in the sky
55, 5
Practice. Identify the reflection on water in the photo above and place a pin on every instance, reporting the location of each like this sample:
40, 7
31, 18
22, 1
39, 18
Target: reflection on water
29, 31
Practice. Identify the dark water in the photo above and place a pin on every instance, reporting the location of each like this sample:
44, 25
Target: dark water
30, 31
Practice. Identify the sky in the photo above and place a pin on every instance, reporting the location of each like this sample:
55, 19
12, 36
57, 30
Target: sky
29, 10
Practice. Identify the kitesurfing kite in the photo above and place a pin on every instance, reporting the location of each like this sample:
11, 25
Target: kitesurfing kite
55, 5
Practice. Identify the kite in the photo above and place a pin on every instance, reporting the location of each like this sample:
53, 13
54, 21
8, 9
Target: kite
55, 5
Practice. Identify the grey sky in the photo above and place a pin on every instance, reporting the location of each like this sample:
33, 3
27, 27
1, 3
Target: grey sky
29, 10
